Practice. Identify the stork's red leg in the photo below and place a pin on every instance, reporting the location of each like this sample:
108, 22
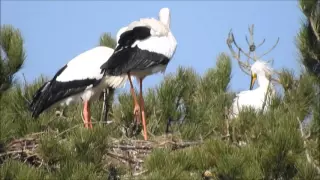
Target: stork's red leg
143, 113
136, 110
86, 114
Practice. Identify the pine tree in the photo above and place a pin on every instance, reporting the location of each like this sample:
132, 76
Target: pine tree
309, 45
309, 36
186, 122
12, 55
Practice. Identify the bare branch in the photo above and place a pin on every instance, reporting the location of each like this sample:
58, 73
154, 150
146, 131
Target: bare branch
247, 40
252, 47
263, 41
240, 49
246, 65
270, 49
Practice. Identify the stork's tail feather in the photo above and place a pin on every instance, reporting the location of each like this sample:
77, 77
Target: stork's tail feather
116, 81
39, 99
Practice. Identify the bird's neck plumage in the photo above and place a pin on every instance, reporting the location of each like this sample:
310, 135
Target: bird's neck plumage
263, 82
165, 20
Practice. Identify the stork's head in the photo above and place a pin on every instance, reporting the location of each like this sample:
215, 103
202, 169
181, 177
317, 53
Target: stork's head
164, 16
122, 30
261, 69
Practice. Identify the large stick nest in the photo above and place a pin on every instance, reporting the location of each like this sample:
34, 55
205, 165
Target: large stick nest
130, 152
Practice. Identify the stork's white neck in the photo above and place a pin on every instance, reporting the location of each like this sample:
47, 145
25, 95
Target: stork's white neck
263, 81
165, 21
164, 16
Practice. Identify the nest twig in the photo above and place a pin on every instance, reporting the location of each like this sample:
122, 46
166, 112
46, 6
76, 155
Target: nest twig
129, 152
23, 149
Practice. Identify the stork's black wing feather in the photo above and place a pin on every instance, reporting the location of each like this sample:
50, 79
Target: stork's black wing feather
129, 37
54, 91
127, 58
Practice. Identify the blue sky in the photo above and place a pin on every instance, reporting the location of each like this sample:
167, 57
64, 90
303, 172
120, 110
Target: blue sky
56, 31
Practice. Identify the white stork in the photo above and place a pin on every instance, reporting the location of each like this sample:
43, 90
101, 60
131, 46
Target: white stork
145, 47
257, 97
79, 80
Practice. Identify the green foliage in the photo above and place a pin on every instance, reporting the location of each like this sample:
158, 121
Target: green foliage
107, 40
12, 169
273, 148
12, 55
261, 146
309, 36
309, 46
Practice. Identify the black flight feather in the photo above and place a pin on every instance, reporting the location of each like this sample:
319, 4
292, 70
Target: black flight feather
54, 91
127, 59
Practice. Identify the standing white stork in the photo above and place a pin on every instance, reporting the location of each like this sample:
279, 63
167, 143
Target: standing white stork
79, 80
145, 47
255, 98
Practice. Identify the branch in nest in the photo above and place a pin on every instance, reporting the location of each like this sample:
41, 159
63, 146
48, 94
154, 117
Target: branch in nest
140, 173
127, 147
180, 145
120, 157
149, 145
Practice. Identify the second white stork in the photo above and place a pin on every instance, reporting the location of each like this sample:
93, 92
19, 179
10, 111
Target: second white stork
145, 47
79, 80
257, 98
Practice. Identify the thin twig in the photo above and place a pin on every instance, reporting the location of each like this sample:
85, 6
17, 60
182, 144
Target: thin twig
139, 173
118, 156
127, 147
309, 158
263, 41
245, 67
240, 49
75, 126
274, 46
69, 129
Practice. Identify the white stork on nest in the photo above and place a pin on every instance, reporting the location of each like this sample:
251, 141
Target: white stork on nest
79, 80
145, 47
257, 98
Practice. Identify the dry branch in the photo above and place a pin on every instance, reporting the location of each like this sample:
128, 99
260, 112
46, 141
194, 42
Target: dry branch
236, 53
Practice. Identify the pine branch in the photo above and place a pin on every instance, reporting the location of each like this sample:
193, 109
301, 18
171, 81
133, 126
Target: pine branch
309, 158
12, 55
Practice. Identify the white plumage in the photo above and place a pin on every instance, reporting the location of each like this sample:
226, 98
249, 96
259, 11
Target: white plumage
144, 47
255, 98
87, 66
156, 38
79, 80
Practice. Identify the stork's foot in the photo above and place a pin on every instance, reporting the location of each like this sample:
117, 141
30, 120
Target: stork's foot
137, 114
